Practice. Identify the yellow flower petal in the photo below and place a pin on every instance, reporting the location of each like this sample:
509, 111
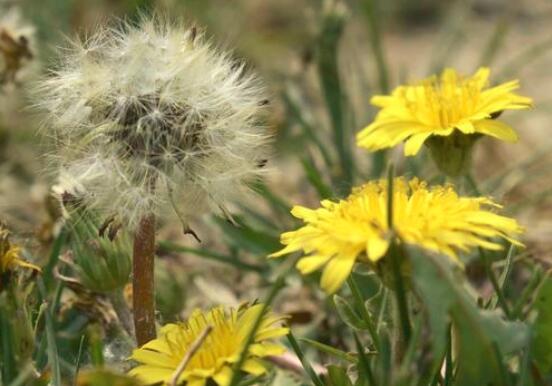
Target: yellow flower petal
496, 129
254, 366
311, 263
376, 248
414, 143
224, 376
151, 374
153, 358
336, 272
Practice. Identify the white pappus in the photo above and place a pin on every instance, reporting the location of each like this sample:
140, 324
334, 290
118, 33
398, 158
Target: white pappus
153, 116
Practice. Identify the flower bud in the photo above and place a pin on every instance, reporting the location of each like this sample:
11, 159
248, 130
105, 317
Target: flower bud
452, 154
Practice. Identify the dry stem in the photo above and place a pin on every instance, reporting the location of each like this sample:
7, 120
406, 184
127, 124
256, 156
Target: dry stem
143, 299
189, 354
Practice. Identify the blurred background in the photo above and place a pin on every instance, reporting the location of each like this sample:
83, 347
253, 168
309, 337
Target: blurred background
321, 62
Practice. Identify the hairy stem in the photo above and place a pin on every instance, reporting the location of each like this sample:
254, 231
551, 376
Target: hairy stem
123, 311
143, 300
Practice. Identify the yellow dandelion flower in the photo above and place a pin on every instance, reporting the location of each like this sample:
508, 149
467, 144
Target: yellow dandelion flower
10, 254
339, 233
160, 357
445, 106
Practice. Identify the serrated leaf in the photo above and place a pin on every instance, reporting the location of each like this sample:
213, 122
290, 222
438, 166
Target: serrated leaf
484, 337
348, 314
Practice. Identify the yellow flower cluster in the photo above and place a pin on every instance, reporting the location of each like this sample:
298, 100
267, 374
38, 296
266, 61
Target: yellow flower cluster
338, 234
160, 358
441, 106
451, 111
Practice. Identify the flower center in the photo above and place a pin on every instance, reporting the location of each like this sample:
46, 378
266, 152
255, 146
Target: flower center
443, 103
221, 344
154, 130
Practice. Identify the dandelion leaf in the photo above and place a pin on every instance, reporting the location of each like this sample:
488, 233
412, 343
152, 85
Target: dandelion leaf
483, 337
542, 337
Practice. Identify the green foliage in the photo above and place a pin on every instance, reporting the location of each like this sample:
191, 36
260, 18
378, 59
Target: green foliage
333, 22
458, 333
484, 337
348, 314
337, 376
541, 348
105, 378
103, 263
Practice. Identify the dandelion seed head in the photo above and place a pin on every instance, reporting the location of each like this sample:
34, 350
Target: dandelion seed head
141, 112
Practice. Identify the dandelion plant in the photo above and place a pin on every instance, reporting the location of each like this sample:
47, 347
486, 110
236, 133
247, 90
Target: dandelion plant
435, 218
448, 113
153, 116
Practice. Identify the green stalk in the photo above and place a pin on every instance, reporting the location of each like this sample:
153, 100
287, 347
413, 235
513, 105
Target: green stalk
276, 287
361, 307
394, 255
448, 359
373, 15
122, 310
52, 349
328, 69
376, 43
494, 281
363, 363
306, 365
400, 293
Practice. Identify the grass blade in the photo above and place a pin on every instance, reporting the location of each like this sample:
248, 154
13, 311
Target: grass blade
332, 29
51, 349
276, 287
306, 365
167, 246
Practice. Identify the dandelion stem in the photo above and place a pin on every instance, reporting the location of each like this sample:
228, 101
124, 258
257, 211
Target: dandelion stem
396, 256
400, 292
122, 310
276, 287
143, 281
496, 286
363, 312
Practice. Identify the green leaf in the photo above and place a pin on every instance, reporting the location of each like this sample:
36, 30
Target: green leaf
100, 377
348, 314
337, 375
306, 364
243, 237
333, 24
52, 348
296, 110
365, 376
7, 354
542, 337
315, 178
172, 247
329, 350
484, 337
